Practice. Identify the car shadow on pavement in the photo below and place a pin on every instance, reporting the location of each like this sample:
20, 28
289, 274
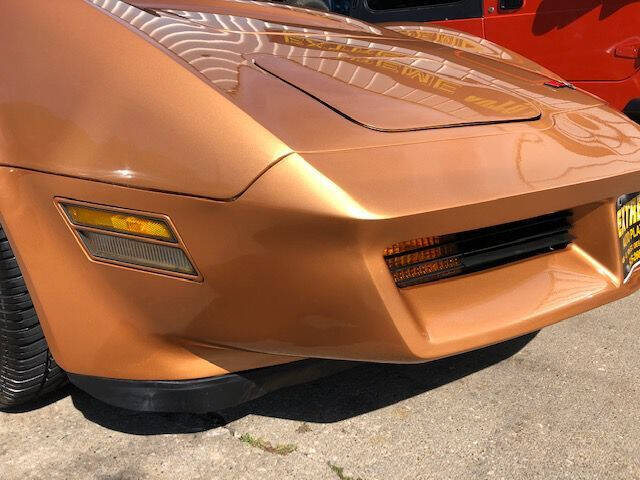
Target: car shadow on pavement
370, 386
364, 388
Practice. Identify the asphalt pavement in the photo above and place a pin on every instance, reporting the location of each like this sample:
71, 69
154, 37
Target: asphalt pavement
564, 403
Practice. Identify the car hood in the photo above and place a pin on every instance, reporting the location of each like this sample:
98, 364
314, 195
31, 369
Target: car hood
378, 78
202, 97
397, 93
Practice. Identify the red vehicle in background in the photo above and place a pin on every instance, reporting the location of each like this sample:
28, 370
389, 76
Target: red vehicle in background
594, 44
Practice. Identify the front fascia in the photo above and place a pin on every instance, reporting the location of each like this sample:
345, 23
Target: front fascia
294, 267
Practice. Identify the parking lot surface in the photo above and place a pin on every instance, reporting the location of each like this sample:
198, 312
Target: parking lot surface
563, 403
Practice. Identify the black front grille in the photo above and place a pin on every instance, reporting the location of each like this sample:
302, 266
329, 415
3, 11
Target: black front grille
433, 258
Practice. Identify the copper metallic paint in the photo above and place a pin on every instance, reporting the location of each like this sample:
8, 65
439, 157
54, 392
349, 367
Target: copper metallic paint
285, 205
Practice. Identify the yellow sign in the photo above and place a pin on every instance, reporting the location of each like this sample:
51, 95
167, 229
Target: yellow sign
628, 222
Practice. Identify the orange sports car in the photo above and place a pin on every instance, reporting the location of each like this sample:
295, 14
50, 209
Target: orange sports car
201, 198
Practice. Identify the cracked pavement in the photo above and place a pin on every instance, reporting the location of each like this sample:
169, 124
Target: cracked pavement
561, 404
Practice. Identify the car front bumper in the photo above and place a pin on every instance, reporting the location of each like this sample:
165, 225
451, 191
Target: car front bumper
298, 275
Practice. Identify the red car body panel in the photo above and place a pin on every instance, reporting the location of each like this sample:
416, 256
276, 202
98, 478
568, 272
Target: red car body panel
593, 44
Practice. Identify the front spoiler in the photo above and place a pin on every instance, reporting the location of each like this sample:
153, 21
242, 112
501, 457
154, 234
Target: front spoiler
204, 395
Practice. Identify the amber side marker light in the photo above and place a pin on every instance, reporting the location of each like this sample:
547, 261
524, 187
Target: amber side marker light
427, 259
110, 235
118, 222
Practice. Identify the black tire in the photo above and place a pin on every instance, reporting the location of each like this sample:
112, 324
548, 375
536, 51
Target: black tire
312, 4
27, 368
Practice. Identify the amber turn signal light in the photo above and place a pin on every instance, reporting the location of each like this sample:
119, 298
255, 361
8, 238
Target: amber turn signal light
119, 222
414, 244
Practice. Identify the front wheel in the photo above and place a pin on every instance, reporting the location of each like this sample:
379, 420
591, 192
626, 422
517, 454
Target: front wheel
27, 369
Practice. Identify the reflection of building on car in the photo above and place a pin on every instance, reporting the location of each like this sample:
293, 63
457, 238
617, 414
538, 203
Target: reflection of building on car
182, 237
595, 45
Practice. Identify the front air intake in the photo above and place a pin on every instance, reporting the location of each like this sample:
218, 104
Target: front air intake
428, 259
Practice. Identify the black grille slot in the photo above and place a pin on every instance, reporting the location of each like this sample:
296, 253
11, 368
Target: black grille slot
433, 258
